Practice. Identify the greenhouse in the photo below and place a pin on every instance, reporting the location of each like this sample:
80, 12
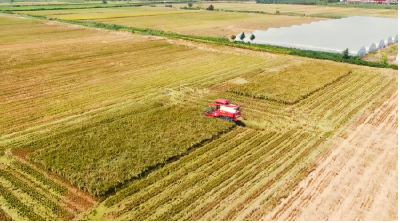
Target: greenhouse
360, 34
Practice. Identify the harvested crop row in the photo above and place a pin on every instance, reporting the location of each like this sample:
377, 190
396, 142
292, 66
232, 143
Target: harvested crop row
29, 194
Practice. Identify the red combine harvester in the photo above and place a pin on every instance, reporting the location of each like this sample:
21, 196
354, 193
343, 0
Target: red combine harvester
222, 109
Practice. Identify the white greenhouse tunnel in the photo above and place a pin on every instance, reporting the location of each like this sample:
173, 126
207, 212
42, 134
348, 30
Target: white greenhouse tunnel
360, 34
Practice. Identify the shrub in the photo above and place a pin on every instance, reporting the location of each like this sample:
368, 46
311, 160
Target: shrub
210, 8
242, 36
252, 37
190, 5
384, 59
233, 37
104, 1
346, 54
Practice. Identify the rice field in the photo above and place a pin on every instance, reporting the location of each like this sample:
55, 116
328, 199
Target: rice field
246, 173
305, 10
189, 22
107, 125
107, 13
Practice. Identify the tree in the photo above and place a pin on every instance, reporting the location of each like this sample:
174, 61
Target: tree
384, 59
233, 37
190, 5
211, 8
252, 37
104, 1
346, 53
242, 36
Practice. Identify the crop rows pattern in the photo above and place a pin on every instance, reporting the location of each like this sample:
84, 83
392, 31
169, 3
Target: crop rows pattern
245, 173
28, 194
124, 122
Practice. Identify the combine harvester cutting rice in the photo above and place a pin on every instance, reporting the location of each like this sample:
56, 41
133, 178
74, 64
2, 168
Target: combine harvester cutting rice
222, 109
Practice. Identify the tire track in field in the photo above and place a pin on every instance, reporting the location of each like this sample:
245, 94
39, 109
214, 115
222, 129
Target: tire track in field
358, 180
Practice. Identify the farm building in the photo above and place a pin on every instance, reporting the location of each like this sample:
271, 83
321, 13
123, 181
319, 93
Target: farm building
359, 34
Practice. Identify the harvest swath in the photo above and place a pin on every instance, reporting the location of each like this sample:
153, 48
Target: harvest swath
104, 125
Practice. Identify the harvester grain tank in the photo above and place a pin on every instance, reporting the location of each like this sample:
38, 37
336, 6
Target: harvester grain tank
222, 109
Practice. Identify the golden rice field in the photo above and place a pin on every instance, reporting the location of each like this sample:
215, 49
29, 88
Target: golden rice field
107, 125
308, 10
189, 22
107, 13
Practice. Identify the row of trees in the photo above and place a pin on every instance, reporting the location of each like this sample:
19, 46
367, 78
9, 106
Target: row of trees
242, 36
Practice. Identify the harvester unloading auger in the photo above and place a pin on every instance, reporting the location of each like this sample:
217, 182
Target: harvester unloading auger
222, 109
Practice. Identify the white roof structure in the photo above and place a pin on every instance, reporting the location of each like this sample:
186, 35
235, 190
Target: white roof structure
229, 109
360, 34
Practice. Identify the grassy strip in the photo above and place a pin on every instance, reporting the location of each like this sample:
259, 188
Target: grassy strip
75, 6
60, 7
224, 41
368, 6
40, 177
22, 209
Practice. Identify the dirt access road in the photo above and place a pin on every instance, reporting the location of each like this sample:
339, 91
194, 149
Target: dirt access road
359, 178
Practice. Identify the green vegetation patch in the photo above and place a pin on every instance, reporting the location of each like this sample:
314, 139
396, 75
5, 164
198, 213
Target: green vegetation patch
99, 157
292, 83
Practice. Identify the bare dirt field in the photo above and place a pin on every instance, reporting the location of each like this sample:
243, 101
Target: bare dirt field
358, 180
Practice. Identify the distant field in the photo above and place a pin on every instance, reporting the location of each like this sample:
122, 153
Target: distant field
309, 10
7, 2
190, 22
34, 7
371, 6
119, 115
104, 13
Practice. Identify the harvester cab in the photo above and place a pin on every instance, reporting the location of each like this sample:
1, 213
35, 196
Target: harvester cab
222, 109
